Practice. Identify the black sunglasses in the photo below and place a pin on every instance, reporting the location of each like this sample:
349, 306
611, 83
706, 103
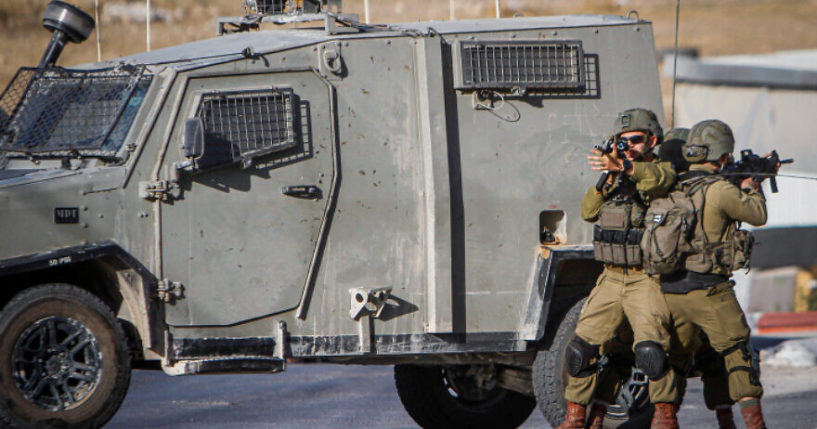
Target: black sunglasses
640, 138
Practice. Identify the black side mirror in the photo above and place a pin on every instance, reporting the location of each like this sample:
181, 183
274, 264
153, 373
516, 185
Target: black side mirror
193, 139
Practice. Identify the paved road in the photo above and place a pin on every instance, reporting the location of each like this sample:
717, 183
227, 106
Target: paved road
336, 396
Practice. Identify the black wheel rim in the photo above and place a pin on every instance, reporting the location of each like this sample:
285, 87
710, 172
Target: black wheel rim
633, 396
473, 387
57, 363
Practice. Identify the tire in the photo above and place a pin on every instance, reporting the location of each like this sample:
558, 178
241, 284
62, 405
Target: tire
549, 374
64, 360
439, 397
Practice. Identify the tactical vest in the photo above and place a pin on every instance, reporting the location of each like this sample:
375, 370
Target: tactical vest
674, 237
617, 235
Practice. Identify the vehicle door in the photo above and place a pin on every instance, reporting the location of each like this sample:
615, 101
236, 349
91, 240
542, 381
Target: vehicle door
242, 237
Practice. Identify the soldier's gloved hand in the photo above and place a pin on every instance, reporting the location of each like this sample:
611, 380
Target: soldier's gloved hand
777, 166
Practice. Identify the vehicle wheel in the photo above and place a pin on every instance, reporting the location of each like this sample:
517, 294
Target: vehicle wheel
632, 409
549, 374
64, 360
462, 396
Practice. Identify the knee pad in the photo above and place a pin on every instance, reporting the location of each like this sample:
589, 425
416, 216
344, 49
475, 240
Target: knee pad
750, 356
579, 356
651, 359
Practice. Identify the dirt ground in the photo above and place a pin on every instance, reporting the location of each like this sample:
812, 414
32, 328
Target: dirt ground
714, 27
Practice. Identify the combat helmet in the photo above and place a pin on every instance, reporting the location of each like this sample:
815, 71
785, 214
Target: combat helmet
708, 141
638, 120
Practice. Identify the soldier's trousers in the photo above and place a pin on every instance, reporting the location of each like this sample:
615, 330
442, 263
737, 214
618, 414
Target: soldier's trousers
708, 363
638, 298
716, 311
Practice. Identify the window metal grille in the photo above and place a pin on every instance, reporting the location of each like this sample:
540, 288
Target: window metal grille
522, 64
270, 7
252, 123
592, 83
59, 110
279, 7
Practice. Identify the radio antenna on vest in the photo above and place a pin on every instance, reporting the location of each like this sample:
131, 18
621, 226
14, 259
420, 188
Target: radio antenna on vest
675, 60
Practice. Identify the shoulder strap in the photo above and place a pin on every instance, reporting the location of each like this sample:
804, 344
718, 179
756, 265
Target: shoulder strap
705, 183
695, 182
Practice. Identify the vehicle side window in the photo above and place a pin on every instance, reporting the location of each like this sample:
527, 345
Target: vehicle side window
240, 126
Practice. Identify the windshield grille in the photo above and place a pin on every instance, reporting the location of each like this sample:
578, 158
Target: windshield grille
58, 110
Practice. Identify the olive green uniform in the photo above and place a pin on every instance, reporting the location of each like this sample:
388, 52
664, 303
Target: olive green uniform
625, 293
707, 362
714, 308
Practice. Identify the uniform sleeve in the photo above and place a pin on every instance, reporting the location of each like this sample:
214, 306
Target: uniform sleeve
653, 179
591, 204
749, 207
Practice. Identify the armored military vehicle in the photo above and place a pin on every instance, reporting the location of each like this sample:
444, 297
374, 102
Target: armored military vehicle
342, 192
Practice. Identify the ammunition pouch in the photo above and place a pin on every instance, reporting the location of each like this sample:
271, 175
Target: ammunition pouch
617, 236
617, 247
731, 254
737, 249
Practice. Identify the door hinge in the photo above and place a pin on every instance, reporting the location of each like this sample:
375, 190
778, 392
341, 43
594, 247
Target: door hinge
162, 190
168, 291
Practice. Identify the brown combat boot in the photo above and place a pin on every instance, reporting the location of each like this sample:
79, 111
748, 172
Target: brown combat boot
574, 417
752, 414
596, 418
664, 416
725, 418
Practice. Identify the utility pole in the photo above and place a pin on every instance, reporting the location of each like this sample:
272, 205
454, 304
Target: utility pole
147, 24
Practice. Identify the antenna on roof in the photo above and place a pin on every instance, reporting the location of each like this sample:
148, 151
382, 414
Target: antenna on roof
498, 12
366, 10
452, 15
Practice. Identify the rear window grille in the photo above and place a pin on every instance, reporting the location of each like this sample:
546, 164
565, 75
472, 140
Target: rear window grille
252, 123
523, 64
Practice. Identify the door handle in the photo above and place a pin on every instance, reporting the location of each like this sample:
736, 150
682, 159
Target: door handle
309, 192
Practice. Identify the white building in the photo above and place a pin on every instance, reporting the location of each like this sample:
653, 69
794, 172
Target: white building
770, 101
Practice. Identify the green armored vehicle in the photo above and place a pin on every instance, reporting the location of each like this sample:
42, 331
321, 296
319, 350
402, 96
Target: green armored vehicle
401, 194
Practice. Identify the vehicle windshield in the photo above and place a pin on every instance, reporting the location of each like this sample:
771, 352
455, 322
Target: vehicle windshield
58, 111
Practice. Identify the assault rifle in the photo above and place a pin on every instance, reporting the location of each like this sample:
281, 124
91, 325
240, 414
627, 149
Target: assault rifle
756, 167
607, 147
